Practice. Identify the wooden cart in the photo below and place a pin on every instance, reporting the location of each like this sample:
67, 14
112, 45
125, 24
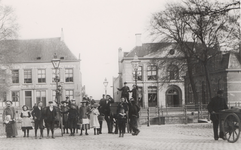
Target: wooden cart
230, 123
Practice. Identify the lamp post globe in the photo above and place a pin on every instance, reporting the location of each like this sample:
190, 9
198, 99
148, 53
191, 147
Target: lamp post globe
105, 84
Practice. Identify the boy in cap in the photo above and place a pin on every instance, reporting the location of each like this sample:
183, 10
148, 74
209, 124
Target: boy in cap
50, 117
125, 91
122, 119
37, 114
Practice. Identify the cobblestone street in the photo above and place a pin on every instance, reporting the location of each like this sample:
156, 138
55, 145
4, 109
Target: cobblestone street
166, 137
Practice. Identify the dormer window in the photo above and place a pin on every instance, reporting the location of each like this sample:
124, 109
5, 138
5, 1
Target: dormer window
38, 58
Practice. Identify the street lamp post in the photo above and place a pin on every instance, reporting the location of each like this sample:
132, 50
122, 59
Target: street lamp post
55, 61
105, 84
135, 64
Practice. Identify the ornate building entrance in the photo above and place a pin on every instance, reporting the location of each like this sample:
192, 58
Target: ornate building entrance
173, 97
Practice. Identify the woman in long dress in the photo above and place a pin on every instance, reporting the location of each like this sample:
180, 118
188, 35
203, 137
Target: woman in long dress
94, 122
26, 121
10, 111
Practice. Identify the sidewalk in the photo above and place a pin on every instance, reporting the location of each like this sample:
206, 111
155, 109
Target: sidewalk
165, 137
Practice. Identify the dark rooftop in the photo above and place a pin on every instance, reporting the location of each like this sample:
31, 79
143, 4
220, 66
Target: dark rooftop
38, 50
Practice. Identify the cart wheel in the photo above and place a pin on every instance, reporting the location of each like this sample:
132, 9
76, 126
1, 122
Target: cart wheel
231, 127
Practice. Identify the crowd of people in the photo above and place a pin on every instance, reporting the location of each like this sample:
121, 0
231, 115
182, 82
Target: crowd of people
73, 117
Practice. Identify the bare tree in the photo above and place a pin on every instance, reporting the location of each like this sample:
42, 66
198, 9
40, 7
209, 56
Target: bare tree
209, 28
198, 27
168, 26
8, 31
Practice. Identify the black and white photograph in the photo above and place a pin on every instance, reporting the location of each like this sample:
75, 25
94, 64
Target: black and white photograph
120, 75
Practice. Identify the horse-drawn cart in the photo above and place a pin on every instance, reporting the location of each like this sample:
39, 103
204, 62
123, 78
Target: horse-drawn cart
230, 123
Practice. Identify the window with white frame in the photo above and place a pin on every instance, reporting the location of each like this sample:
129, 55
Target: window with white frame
69, 93
41, 76
54, 74
69, 73
15, 96
152, 72
173, 72
28, 76
41, 97
15, 76
139, 74
54, 95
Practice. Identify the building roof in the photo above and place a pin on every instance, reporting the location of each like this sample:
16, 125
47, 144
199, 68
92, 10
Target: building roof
234, 61
155, 50
147, 48
37, 50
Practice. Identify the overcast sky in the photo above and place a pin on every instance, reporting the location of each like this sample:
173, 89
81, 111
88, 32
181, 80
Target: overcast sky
93, 28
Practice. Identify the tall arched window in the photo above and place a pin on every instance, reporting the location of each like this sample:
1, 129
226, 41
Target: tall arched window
173, 72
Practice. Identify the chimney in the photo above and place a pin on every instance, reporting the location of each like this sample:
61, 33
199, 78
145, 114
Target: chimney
120, 57
62, 35
138, 39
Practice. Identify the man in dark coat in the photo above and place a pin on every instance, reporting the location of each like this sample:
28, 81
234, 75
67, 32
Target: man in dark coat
105, 109
217, 104
134, 115
64, 110
50, 117
125, 91
38, 117
134, 92
101, 110
73, 117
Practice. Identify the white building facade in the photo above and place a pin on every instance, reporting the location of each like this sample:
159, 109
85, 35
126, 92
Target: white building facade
160, 85
31, 75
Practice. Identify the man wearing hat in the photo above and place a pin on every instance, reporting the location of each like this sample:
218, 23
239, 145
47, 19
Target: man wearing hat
50, 117
217, 104
125, 91
38, 117
134, 115
101, 108
64, 111
73, 117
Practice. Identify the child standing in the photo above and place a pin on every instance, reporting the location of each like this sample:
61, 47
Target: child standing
64, 110
84, 116
26, 122
122, 118
8, 124
94, 122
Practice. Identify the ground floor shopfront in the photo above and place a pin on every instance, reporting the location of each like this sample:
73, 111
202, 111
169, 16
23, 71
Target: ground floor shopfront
30, 95
159, 95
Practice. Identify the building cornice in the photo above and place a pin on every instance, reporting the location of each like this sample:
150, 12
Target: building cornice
65, 61
146, 58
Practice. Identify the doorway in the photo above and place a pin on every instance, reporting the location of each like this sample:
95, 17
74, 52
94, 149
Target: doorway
173, 97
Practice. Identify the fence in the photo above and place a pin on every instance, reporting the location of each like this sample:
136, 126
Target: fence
183, 114
234, 104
